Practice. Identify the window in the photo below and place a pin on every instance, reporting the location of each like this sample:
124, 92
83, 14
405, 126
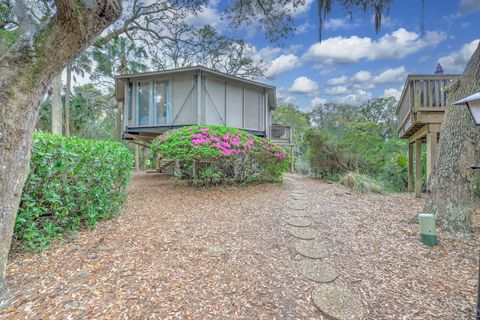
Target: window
153, 102
144, 93
160, 102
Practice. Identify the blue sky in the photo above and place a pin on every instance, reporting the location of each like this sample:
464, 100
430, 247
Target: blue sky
353, 63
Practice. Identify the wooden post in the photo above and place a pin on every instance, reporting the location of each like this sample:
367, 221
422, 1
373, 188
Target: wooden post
418, 168
431, 150
410, 167
144, 162
137, 157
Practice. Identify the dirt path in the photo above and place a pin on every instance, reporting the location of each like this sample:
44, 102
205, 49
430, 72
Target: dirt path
178, 252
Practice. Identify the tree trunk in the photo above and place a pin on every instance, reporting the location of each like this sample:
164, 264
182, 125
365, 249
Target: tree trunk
68, 91
450, 185
26, 71
57, 105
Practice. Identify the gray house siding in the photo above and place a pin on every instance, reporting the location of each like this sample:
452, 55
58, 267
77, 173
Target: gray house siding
213, 99
183, 102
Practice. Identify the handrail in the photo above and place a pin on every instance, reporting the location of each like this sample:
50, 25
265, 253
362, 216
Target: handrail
281, 133
423, 93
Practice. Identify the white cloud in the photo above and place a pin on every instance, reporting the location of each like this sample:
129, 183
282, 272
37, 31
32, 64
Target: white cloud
364, 79
300, 9
284, 97
338, 81
336, 24
268, 53
392, 92
391, 75
208, 14
356, 98
304, 85
361, 76
456, 61
282, 64
317, 101
338, 90
396, 45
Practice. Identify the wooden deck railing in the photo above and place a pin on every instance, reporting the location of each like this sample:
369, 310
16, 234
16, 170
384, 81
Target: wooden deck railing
281, 134
422, 93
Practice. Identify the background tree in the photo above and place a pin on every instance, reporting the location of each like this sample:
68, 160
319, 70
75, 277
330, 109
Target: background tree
57, 105
189, 46
119, 56
80, 67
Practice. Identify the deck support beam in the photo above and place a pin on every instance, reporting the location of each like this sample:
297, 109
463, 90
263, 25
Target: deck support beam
431, 151
410, 167
418, 168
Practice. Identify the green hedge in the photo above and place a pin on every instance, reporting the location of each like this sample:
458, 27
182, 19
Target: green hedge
72, 183
211, 155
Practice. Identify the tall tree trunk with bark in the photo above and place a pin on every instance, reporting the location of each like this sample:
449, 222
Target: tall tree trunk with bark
26, 71
450, 185
57, 105
68, 91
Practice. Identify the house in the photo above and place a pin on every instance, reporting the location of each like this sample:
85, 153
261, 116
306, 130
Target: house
420, 114
154, 102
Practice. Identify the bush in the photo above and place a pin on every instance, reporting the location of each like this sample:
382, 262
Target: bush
211, 155
361, 183
72, 183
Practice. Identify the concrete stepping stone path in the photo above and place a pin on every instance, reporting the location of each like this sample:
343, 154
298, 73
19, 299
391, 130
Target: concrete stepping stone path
303, 233
311, 249
338, 302
299, 221
318, 271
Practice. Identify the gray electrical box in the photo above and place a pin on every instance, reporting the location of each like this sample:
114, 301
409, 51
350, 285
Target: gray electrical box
428, 229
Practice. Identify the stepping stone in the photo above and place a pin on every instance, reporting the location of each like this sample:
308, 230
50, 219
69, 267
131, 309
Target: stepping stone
297, 214
311, 249
298, 191
303, 233
299, 222
318, 271
299, 197
297, 206
338, 302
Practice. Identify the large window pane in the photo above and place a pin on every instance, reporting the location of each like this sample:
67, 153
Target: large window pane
160, 103
143, 102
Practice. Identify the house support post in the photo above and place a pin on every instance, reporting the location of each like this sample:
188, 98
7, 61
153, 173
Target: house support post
137, 157
410, 167
431, 151
145, 155
418, 168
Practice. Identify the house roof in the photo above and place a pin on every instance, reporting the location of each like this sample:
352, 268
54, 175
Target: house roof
271, 90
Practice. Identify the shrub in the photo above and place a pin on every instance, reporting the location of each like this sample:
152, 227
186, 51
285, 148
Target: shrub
221, 155
72, 183
361, 183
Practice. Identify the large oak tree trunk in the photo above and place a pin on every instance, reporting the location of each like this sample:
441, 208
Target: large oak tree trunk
57, 105
26, 71
450, 185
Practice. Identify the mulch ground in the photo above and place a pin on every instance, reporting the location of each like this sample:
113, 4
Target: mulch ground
226, 252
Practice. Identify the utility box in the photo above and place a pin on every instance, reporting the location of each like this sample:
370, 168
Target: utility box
428, 229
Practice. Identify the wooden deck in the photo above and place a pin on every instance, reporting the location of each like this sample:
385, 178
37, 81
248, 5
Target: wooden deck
420, 113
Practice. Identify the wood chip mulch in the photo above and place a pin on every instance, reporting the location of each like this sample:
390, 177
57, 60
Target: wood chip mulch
226, 252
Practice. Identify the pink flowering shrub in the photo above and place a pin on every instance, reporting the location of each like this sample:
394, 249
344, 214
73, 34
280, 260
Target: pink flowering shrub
221, 154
